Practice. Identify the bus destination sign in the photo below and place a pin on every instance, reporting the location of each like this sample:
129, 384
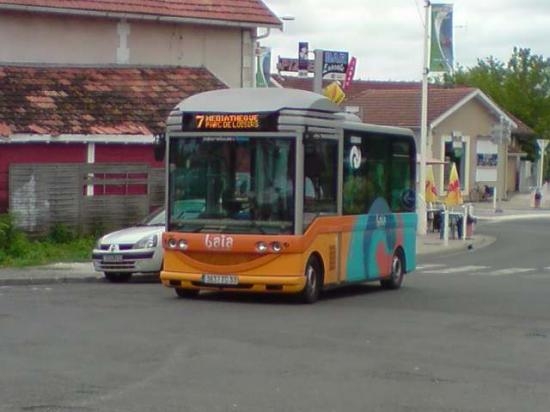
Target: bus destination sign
229, 121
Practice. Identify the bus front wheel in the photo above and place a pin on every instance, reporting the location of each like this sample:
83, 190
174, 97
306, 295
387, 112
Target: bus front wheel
314, 281
397, 272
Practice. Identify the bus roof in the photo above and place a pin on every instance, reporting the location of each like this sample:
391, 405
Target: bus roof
248, 100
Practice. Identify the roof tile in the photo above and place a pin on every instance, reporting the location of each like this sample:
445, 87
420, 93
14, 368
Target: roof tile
87, 100
402, 107
396, 103
254, 12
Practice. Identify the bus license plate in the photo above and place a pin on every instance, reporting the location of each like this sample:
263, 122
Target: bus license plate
112, 258
211, 279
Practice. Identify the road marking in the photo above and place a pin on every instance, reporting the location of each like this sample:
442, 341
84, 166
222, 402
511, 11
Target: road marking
459, 269
473, 270
507, 271
430, 266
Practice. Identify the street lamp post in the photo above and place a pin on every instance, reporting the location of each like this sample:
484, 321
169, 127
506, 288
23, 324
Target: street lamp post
542, 146
421, 204
500, 136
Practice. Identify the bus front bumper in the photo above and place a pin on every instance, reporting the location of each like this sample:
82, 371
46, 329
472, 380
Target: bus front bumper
243, 283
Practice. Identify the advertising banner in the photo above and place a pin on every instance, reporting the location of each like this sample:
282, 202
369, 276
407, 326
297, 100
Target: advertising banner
287, 64
335, 65
263, 67
303, 62
350, 72
441, 48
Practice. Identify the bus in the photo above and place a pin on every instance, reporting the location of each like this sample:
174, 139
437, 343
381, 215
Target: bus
290, 195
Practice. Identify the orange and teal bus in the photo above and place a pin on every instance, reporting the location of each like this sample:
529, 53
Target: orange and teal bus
277, 191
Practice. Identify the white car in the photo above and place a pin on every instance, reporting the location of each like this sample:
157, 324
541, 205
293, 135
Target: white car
137, 249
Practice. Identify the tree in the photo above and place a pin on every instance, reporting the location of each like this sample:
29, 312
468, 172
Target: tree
521, 87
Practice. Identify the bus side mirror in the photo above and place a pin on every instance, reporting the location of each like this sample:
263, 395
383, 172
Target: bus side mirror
160, 147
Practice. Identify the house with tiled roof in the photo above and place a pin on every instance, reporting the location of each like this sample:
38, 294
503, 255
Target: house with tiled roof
93, 81
461, 130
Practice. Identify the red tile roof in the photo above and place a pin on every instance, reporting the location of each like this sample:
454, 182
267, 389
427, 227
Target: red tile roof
252, 12
84, 100
356, 86
402, 107
396, 103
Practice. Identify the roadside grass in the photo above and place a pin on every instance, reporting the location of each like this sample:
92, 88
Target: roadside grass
17, 249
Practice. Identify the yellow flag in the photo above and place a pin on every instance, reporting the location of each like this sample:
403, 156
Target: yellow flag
454, 195
431, 190
334, 92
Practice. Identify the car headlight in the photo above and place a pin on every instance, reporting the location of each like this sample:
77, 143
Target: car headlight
147, 242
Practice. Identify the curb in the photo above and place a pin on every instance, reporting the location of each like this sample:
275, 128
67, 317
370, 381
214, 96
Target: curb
48, 280
435, 246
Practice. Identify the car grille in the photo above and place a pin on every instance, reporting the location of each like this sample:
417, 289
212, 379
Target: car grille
122, 246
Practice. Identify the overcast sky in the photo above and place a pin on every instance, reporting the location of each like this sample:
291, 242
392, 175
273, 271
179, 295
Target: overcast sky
387, 36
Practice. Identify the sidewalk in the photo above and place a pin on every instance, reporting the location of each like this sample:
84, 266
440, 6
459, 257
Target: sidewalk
518, 206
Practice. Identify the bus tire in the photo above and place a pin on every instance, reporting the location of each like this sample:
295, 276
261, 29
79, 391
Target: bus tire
118, 277
314, 281
186, 293
397, 272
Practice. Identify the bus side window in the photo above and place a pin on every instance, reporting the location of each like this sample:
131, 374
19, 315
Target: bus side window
320, 178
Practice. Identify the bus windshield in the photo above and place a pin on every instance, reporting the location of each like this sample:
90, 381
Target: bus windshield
231, 184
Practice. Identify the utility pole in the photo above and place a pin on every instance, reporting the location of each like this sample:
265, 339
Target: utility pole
318, 71
421, 204
542, 146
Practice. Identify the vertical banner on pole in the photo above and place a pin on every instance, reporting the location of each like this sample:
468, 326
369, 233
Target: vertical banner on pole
303, 61
350, 72
441, 47
263, 67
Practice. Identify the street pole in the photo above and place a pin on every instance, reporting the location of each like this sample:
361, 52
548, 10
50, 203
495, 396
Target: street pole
421, 206
542, 146
318, 71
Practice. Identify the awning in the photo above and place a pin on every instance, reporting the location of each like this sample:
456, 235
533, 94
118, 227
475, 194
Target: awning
430, 160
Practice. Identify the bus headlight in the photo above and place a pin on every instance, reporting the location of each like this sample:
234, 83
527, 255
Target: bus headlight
182, 244
276, 247
172, 243
261, 247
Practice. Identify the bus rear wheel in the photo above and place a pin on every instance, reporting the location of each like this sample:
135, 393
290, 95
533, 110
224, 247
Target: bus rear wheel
397, 272
186, 293
314, 280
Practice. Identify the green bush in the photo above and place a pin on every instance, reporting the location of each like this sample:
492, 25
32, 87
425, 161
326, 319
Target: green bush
60, 245
61, 233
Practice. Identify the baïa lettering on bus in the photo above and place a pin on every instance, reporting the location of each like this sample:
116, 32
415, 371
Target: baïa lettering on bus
218, 242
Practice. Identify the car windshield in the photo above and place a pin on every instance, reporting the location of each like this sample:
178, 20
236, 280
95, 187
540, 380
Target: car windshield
157, 218
232, 184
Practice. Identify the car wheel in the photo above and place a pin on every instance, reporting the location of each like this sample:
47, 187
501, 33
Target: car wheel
186, 293
118, 277
312, 289
397, 272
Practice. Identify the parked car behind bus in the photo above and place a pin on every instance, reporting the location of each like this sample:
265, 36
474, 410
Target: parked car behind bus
135, 249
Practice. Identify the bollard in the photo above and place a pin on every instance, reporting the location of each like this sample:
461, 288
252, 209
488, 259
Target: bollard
465, 217
470, 222
446, 228
538, 197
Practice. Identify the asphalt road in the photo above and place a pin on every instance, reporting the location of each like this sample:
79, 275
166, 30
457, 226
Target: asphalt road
470, 331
